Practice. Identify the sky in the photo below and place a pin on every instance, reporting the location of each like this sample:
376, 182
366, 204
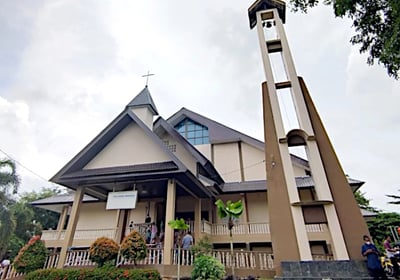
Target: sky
69, 67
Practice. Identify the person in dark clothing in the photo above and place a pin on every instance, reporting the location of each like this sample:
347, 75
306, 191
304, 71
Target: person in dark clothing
374, 266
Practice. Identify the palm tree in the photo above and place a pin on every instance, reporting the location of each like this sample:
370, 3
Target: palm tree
8, 176
178, 224
230, 210
395, 197
9, 181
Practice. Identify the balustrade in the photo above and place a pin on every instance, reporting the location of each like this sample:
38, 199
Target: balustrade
240, 259
206, 227
240, 229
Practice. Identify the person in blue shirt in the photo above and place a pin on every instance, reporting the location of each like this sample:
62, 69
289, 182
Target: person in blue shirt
374, 266
187, 242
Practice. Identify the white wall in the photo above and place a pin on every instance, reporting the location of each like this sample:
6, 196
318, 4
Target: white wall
257, 207
253, 163
182, 154
95, 216
131, 146
226, 161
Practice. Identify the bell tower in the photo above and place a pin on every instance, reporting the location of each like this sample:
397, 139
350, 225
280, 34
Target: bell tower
291, 123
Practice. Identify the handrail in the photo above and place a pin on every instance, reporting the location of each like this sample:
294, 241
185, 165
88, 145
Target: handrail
241, 259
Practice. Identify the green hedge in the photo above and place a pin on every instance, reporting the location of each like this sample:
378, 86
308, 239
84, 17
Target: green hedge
104, 273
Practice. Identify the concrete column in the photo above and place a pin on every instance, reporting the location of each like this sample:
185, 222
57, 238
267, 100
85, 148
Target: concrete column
283, 229
245, 209
197, 219
69, 234
351, 221
211, 211
63, 217
169, 215
119, 222
61, 221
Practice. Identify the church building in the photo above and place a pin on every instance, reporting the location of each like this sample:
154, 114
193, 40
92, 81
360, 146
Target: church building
171, 168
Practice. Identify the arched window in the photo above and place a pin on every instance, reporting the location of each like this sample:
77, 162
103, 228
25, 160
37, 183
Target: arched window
194, 132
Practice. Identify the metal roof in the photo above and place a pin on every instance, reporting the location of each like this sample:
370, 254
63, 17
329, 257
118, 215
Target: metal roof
138, 168
143, 99
62, 199
367, 213
162, 125
219, 133
262, 185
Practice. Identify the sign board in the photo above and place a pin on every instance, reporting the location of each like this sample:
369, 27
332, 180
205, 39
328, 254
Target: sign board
121, 200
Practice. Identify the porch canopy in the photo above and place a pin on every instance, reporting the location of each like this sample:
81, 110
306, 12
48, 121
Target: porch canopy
150, 180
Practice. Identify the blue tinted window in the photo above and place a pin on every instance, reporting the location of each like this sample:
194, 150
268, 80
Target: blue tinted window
195, 133
190, 127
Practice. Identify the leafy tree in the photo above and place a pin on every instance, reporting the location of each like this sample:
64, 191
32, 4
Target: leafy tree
14, 245
23, 216
377, 26
180, 225
24, 220
380, 226
45, 218
7, 225
9, 182
230, 210
363, 202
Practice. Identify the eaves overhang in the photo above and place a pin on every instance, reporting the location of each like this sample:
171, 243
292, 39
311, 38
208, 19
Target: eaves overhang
302, 182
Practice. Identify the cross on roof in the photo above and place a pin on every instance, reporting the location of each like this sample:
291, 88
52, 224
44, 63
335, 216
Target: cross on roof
147, 77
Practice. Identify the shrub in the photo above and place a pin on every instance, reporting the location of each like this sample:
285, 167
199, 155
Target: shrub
207, 268
103, 273
202, 247
32, 256
133, 247
103, 249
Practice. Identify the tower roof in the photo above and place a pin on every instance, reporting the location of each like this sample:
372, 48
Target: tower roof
143, 99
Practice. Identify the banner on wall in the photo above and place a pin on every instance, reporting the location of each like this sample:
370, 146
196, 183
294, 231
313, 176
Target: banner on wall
121, 200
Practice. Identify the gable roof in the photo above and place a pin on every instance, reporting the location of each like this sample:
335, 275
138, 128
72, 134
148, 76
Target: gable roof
160, 123
218, 132
99, 181
143, 99
105, 137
